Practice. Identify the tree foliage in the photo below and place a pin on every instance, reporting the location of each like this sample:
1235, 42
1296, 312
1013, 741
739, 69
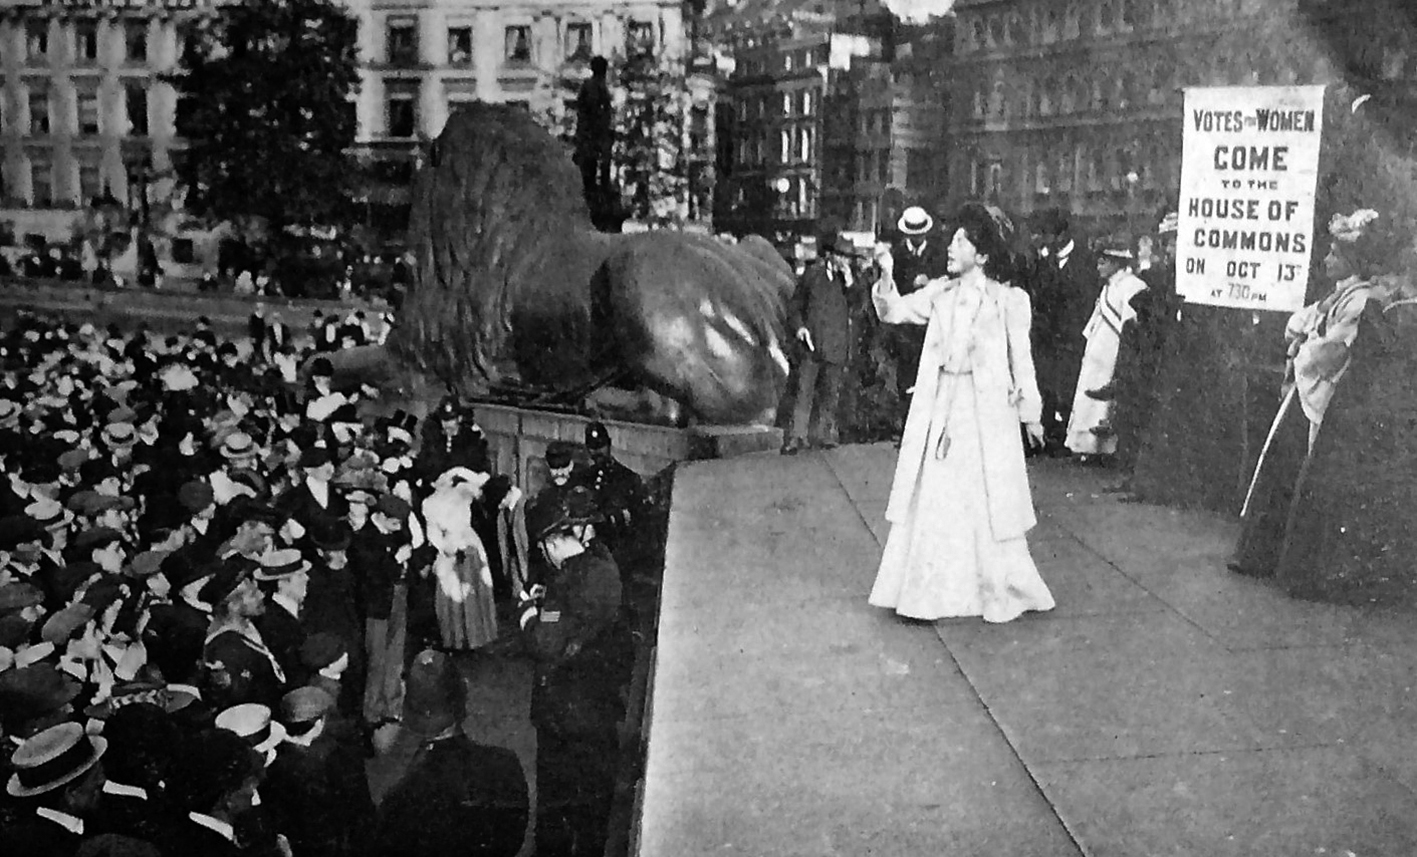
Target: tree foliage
650, 154
267, 114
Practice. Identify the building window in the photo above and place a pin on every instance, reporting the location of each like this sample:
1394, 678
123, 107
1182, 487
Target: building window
403, 114
639, 38
402, 37
86, 41
787, 61
883, 165
1064, 175
787, 104
39, 113
996, 180
90, 186
184, 252
189, 39
785, 145
804, 144
518, 43
137, 103
41, 185
135, 41
1042, 181
807, 103
37, 40
578, 42
460, 46
88, 113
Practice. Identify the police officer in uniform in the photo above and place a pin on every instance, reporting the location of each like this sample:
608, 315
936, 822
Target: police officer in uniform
570, 625
620, 498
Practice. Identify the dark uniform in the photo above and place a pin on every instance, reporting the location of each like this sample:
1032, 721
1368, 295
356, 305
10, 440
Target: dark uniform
458, 795
620, 499
575, 703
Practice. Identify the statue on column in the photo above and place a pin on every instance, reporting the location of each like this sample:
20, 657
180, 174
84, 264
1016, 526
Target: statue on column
595, 135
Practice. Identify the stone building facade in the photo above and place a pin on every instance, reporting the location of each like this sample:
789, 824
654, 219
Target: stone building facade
85, 117
421, 58
1077, 103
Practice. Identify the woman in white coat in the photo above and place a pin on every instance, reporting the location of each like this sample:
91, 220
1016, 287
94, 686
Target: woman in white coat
463, 601
960, 504
1090, 426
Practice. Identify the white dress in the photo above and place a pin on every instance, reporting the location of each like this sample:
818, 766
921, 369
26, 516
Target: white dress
960, 508
1099, 362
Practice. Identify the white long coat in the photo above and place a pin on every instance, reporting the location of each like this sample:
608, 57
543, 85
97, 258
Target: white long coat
1005, 395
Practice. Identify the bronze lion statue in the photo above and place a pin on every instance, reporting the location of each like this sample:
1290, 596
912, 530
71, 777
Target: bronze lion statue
515, 290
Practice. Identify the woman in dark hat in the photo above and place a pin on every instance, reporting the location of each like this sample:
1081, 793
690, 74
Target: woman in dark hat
960, 505
1286, 528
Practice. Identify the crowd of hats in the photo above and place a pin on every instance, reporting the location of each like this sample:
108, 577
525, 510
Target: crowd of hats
140, 468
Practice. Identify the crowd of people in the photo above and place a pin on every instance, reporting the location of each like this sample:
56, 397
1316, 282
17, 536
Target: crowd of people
226, 582
1101, 313
1129, 377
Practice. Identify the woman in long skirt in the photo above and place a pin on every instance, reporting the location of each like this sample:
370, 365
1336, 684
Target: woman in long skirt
463, 599
960, 505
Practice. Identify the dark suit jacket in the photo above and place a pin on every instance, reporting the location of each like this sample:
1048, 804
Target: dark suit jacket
319, 796
820, 305
456, 796
283, 634
438, 453
909, 264
1063, 300
33, 836
240, 673
300, 505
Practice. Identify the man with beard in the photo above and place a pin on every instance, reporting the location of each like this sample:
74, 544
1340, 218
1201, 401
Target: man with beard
240, 667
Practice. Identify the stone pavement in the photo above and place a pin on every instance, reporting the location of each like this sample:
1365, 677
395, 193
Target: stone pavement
1166, 707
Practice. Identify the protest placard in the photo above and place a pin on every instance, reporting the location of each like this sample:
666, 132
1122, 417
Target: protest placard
1249, 169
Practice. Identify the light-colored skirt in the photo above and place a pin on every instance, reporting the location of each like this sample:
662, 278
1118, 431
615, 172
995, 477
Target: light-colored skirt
943, 561
467, 615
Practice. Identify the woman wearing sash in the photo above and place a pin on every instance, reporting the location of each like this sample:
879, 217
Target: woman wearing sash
1322, 339
1090, 426
960, 504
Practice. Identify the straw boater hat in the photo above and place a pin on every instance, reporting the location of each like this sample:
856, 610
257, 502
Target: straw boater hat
276, 564
53, 758
915, 221
1115, 248
253, 722
238, 445
1170, 223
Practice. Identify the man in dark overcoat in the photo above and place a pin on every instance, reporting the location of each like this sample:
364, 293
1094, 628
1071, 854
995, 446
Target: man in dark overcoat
819, 315
457, 795
1064, 291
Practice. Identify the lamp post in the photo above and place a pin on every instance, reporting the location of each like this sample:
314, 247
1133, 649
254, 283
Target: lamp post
139, 171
